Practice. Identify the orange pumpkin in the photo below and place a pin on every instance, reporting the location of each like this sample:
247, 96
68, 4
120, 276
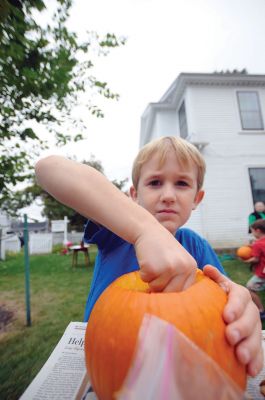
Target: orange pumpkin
115, 321
244, 252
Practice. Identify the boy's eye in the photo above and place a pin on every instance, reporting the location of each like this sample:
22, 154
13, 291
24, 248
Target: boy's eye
155, 182
182, 183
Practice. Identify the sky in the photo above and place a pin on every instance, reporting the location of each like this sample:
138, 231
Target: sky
164, 39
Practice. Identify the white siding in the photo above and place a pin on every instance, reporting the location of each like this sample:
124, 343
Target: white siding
197, 220
228, 201
165, 123
213, 117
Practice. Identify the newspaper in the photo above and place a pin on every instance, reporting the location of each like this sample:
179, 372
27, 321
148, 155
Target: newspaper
253, 385
64, 377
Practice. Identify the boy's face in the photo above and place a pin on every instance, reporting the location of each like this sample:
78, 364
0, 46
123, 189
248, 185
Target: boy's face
259, 206
168, 192
256, 233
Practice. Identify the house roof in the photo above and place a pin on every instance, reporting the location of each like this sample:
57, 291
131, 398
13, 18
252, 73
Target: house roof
214, 79
174, 93
32, 226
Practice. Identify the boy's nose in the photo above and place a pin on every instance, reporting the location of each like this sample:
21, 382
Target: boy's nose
168, 193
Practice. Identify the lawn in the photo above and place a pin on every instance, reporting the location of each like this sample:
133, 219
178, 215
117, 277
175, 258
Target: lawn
58, 295
239, 272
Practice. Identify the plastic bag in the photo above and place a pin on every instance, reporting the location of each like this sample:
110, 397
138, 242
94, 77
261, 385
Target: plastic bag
168, 366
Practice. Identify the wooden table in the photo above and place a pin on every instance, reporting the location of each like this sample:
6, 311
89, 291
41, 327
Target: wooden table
80, 249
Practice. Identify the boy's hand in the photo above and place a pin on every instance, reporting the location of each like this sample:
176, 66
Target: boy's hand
243, 322
166, 266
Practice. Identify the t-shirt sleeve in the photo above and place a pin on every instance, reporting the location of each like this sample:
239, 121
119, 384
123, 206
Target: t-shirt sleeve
199, 248
208, 256
101, 236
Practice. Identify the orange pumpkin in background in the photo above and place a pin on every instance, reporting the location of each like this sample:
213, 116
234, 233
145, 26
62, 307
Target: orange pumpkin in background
244, 252
112, 330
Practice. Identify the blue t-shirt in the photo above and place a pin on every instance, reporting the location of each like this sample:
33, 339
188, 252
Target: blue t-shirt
117, 257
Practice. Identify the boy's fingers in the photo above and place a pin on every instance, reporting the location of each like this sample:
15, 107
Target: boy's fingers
216, 276
239, 300
249, 348
256, 365
239, 296
146, 276
247, 326
177, 283
166, 283
158, 284
245, 331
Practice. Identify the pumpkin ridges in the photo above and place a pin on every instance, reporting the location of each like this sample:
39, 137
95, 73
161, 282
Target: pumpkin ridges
209, 297
172, 301
128, 343
113, 333
97, 356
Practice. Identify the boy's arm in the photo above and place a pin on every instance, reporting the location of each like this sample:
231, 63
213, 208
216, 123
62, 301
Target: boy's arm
163, 262
250, 260
243, 328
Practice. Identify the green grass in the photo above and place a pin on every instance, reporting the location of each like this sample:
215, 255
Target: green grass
58, 296
240, 273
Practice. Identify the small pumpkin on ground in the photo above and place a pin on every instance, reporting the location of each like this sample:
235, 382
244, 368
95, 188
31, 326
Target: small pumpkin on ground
115, 321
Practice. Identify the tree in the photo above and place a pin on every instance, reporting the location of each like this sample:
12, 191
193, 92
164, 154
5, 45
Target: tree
52, 209
41, 80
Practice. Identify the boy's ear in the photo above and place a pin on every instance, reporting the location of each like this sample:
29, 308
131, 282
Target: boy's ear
133, 193
198, 198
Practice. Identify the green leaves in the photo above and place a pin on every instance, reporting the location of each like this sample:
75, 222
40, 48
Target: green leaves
28, 133
52, 209
44, 70
111, 40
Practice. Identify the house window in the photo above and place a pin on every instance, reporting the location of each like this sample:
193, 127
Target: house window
250, 112
257, 181
183, 128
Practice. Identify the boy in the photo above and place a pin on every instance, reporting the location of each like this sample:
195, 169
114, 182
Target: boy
257, 282
259, 213
139, 233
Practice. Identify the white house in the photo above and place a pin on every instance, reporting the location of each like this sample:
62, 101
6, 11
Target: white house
223, 114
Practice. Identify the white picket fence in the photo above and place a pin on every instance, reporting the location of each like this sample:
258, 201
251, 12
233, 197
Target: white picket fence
8, 243
40, 243
12, 244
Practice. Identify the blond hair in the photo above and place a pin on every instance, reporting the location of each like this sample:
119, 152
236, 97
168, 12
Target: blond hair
185, 153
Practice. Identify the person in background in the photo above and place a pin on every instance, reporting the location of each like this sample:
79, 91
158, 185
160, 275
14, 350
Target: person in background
259, 213
145, 232
257, 282
21, 239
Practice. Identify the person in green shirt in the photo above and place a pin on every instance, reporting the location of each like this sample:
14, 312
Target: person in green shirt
259, 213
